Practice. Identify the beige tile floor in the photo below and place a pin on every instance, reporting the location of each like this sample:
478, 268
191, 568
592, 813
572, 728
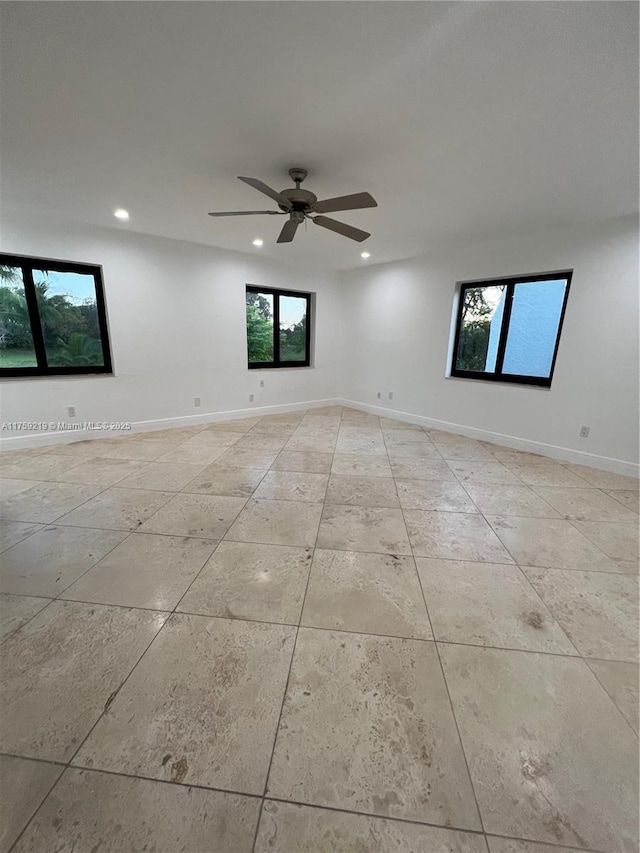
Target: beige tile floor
316, 631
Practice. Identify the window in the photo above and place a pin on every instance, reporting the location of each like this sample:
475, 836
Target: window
52, 318
278, 327
508, 329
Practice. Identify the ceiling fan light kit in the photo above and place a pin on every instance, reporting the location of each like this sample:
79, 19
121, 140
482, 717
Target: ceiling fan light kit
301, 204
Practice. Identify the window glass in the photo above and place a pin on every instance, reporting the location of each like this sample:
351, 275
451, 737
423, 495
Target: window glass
293, 328
507, 330
52, 318
260, 326
69, 318
16, 340
481, 320
533, 327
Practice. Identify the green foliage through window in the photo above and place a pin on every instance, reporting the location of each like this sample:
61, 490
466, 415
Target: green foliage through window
277, 328
52, 318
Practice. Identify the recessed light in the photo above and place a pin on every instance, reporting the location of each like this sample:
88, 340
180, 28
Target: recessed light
258, 242
121, 213
365, 255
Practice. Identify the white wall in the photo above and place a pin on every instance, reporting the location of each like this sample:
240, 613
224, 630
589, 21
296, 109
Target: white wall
176, 317
177, 326
399, 330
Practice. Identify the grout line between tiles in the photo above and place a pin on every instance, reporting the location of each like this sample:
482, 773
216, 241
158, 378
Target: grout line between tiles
232, 792
293, 651
455, 721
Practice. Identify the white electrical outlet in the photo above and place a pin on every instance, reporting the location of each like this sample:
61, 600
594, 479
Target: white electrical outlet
391, 395
71, 411
251, 398
262, 383
197, 402
379, 395
584, 431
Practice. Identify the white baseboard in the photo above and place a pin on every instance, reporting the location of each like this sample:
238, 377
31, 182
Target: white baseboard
43, 439
565, 454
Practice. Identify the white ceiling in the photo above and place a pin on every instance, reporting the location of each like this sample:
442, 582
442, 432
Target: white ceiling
466, 121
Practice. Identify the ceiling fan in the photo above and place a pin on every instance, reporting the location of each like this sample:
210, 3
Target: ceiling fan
301, 204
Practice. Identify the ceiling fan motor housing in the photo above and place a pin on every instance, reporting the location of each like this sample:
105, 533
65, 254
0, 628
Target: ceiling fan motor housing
300, 199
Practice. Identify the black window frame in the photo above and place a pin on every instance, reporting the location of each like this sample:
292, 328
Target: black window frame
497, 375
277, 362
28, 264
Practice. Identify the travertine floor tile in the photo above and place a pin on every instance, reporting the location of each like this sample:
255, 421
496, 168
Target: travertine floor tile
504, 499
434, 495
144, 451
16, 610
585, 504
237, 458
412, 450
359, 528
367, 726
144, 571
200, 455
468, 471
454, 536
303, 460
598, 610
201, 707
89, 811
455, 451
488, 605
163, 476
551, 758
213, 438
512, 845
367, 445
277, 523
370, 593
12, 532
47, 562
549, 542
217, 479
285, 827
45, 502
100, 471
341, 522
9, 487
618, 541
602, 479
45, 466
321, 442
620, 680
24, 786
59, 670
261, 441
247, 581
361, 465
550, 474
422, 469
202, 516
362, 491
629, 498
117, 509
292, 486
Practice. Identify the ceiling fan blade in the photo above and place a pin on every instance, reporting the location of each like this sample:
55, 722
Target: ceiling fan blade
288, 231
263, 188
341, 228
345, 202
248, 213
